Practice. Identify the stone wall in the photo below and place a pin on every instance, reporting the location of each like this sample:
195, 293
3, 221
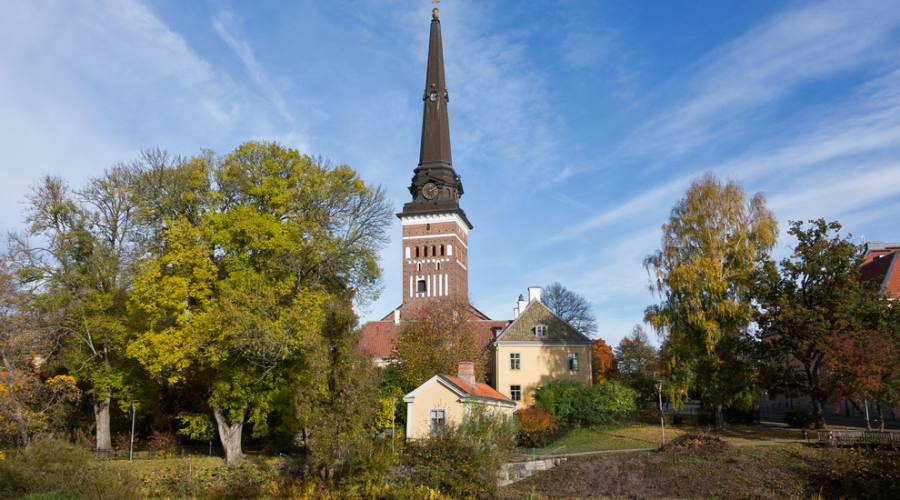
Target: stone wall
517, 471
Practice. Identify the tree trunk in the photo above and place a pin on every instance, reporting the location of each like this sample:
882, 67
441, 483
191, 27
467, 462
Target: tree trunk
101, 418
21, 425
720, 419
230, 436
881, 417
818, 413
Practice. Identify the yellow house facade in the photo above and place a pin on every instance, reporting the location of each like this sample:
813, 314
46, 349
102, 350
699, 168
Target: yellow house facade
537, 348
443, 401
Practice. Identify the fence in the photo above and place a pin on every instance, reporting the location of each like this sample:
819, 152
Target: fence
853, 438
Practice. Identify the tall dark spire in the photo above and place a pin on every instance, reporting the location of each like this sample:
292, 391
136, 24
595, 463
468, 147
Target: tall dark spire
435, 148
435, 187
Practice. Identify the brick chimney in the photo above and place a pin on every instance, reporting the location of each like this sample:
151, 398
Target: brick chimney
467, 372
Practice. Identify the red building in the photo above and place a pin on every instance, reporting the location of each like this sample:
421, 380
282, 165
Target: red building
435, 227
881, 265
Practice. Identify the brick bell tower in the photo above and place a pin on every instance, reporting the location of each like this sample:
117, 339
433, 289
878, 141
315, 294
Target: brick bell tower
435, 228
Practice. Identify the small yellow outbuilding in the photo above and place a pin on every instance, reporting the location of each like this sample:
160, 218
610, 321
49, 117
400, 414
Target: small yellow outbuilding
443, 400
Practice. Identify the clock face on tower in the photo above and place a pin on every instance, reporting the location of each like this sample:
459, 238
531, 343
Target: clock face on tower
429, 191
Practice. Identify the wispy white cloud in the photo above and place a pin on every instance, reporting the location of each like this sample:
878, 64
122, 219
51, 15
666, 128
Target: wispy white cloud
798, 46
227, 27
87, 84
647, 201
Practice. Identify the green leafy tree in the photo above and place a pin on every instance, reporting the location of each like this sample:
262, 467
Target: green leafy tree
336, 410
704, 272
237, 293
81, 268
434, 339
637, 362
813, 304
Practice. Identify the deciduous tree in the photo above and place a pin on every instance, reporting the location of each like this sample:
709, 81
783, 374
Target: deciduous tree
571, 307
237, 292
637, 362
78, 254
336, 409
434, 339
603, 362
815, 305
704, 272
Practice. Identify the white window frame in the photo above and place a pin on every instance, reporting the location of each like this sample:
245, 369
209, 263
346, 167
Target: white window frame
515, 361
541, 331
573, 367
514, 392
434, 429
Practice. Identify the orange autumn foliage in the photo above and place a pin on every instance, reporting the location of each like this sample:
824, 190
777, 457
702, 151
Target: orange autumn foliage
603, 362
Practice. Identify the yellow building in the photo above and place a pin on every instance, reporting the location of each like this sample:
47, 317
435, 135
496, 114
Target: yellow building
537, 348
444, 400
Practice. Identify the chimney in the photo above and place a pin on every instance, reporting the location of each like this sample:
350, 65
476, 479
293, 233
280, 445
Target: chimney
515, 312
521, 305
467, 372
534, 294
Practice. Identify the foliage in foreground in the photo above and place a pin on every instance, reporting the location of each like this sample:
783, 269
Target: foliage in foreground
536, 426
574, 404
463, 461
55, 468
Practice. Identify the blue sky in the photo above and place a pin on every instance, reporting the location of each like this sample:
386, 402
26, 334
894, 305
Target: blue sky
576, 125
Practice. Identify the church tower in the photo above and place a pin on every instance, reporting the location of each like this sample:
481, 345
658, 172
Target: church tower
435, 228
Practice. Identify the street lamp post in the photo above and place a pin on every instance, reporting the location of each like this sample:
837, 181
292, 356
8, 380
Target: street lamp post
662, 420
131, 443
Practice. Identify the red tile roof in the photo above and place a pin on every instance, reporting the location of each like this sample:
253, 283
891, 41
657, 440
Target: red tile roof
378, 337
884, 270
478, 390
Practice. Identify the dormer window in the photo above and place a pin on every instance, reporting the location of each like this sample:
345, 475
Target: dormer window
540, 330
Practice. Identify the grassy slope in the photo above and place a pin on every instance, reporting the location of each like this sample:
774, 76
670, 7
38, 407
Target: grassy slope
648, 436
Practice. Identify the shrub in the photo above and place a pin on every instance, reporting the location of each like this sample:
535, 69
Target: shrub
122, 441
463, 461
607, 403
800, 419
535, 426
560, 399
602, 404
860, 473
58, 469
162, 444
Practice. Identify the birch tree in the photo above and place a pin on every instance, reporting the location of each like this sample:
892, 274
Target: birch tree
713, 244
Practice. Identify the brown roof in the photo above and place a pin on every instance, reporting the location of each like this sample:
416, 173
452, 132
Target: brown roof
478, 390
378, 338
884, 271
536, 313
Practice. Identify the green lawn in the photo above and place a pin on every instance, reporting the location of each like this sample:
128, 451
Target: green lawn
649, 436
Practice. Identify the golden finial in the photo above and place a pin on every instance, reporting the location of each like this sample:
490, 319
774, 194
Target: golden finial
434, 11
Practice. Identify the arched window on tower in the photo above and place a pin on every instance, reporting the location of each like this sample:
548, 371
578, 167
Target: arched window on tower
417, 252
433, 251
421, 286
442, 250
449, 251
425, 251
